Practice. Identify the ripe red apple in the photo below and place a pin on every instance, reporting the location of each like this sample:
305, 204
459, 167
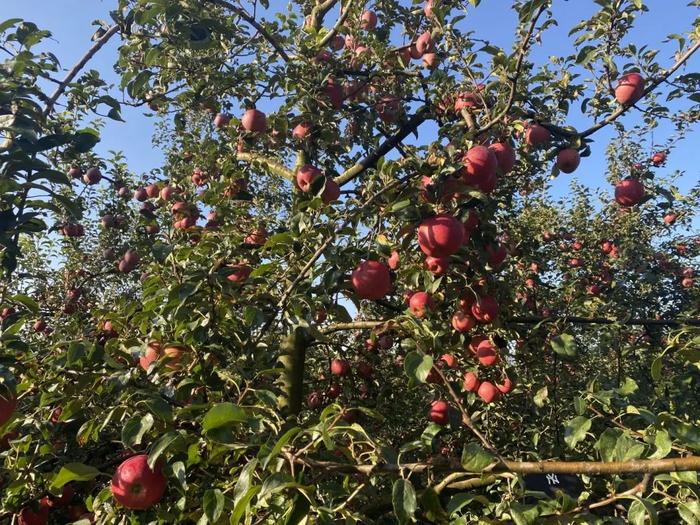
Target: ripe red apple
30, 515
152, 190
394, 260
658, 158
364, 369
687, 282
485, 309
314, 400
506, 386
462, 322
39, 325
333, 391
124, 192
480, 165
140, 194
428, 8
430, 60
337, 43
424, 44
629, 192
497, 254
340, 367
167, 192
439, 412
488, 392
437, 265
471, 382
505, 156
255, 121
389, 109
420, 303
240, 273
92, 176
606, 247
630, 88
537, 135
8, 404
368, 20
306, 175
487, 353
670, 218
568, 160
75, 172
257, 237
108, 220
449, 360
136, 486
440, 236
221, 120
302, 131
334, 92
593, 290
371, 280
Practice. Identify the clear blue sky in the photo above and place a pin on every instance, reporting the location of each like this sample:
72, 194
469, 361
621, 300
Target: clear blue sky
70, 23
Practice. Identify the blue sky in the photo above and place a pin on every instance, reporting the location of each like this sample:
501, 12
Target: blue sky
70, 22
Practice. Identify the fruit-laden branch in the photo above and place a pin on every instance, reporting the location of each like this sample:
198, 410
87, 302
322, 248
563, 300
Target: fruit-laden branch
371, 324
370, 161
77, 67
259, 28
624, 109
522, 52
274, 166
637, 466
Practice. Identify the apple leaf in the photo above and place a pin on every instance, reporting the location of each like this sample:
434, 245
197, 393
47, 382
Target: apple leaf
74, 472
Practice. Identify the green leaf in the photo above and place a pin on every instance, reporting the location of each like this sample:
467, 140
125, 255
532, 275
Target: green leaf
74, 472
244, 480
242, 505
475, 458
417, 366
642, 512
575, 430
403, 498
164, 443
663, 444
213, 504
280, 443
134, 429
223, 414
565, 345
27, 301
524, 514
690, 512
541, 397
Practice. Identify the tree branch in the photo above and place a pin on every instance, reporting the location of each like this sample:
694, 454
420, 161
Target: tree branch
274, 166
77, 67
371, 160
259, 28
338, 24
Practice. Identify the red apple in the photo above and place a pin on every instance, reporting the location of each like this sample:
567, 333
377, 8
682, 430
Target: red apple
221, 120
257, 237
340, 367
337, 43
424, 44
430, 60
333, 391
670, 218
437, 265
462, 322
368, 20
537, 135
497, 254
630, 88
8, 404
389, 109
255, 121
240, 273
440, 236
629, 192
480, 165
136, 486
568, 160
92, 176
658, 158
428, 8
365, 370
471, 382
306, 175
505, 156
34, 516
506, 386
485, 309
371, 280
140, 194
314, 400
75, 173
487, 353
420, 303
301, 131
488, 392
152, 190
449, 360
394, 260
167, 192
439, 412
334, 92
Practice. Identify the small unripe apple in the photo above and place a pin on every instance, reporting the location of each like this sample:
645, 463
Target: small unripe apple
568, 160
340, 367
488, 392
420, 304
629, 192
92, 176
537, 135
630, 88
371, 280
439, 412
255, 121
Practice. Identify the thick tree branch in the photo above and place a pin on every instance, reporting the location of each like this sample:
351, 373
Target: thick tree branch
274, 166
258, 27
77, 67
370, 161
344, 12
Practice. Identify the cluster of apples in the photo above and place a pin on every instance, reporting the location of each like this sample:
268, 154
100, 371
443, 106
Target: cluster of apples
60, 508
